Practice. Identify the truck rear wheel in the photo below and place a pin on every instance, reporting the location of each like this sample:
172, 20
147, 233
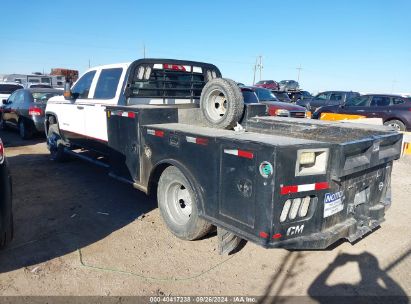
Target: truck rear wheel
54, 145
178, 206
221, 103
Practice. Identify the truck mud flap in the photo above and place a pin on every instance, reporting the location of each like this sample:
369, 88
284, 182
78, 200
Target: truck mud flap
228, 242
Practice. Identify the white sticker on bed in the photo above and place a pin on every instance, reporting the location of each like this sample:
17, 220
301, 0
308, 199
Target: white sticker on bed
333, 203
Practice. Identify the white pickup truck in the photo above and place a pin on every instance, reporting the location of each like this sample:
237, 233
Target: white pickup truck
170, 126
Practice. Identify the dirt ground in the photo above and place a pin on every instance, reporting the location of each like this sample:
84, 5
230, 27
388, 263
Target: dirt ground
79, 232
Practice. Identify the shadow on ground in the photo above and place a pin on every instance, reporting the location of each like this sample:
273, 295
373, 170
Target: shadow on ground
11, 138
60, 207
375, 285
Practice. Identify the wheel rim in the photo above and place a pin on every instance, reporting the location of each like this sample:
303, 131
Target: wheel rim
216, 105
178, 203
394, 125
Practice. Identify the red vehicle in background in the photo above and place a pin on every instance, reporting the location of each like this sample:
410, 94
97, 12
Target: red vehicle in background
268, 84
275, 107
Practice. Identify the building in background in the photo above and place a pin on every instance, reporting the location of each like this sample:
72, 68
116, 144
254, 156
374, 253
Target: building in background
56, 78
69, 75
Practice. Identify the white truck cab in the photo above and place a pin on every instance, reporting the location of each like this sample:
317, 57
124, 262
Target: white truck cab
85, 116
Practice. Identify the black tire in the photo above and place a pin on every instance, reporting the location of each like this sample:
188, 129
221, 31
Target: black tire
6, 213
221, 103
396, 124
25, 130
54, 144
174, 194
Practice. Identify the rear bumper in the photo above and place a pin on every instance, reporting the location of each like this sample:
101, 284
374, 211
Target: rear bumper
351, 230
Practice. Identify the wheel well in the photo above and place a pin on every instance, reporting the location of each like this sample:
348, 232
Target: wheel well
50, 118
158, 170
154, 178
393, 118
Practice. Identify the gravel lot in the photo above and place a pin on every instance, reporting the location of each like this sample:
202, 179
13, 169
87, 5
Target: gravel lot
79, 232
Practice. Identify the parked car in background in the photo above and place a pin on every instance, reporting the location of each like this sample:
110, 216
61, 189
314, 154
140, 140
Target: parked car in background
6, 88
275, 107
267, 84
6, 212
299, 95
37, 85
24, 110
327, 98
394, 110
281, 96
288, 85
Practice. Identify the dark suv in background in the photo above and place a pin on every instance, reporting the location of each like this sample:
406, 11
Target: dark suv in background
394, 110
327, 98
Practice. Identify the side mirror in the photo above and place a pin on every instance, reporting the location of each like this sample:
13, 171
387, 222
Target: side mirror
67, 92
4, 101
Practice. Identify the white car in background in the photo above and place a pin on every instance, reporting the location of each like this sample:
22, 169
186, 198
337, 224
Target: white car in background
6, 88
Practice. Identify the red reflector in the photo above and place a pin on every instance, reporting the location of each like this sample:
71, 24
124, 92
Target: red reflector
202, 141
288, 189
277, 236
321, 186
174, 67
35, 111
159, 133
263, 234
131, 114
245, 154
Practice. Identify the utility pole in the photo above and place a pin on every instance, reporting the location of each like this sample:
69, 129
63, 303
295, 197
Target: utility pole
258, 66
299, 71
255, 70
89, 65
144, 50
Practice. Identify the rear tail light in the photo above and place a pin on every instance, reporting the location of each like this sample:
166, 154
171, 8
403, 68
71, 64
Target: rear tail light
296, 208
311, 161
1, 152
35, 111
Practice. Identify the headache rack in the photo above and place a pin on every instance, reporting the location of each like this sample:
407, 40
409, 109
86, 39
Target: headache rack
169, 79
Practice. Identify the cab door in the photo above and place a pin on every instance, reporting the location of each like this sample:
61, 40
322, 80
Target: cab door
7, 109
14, 108
319, 101
379, 107
105, 92
356, 106
72, 114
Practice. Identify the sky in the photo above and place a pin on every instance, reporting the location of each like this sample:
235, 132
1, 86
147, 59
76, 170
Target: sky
362, 45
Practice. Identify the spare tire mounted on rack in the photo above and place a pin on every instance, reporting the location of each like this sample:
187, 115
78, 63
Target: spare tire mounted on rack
221, 103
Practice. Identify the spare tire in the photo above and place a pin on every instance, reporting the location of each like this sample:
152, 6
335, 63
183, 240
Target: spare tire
221, 103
